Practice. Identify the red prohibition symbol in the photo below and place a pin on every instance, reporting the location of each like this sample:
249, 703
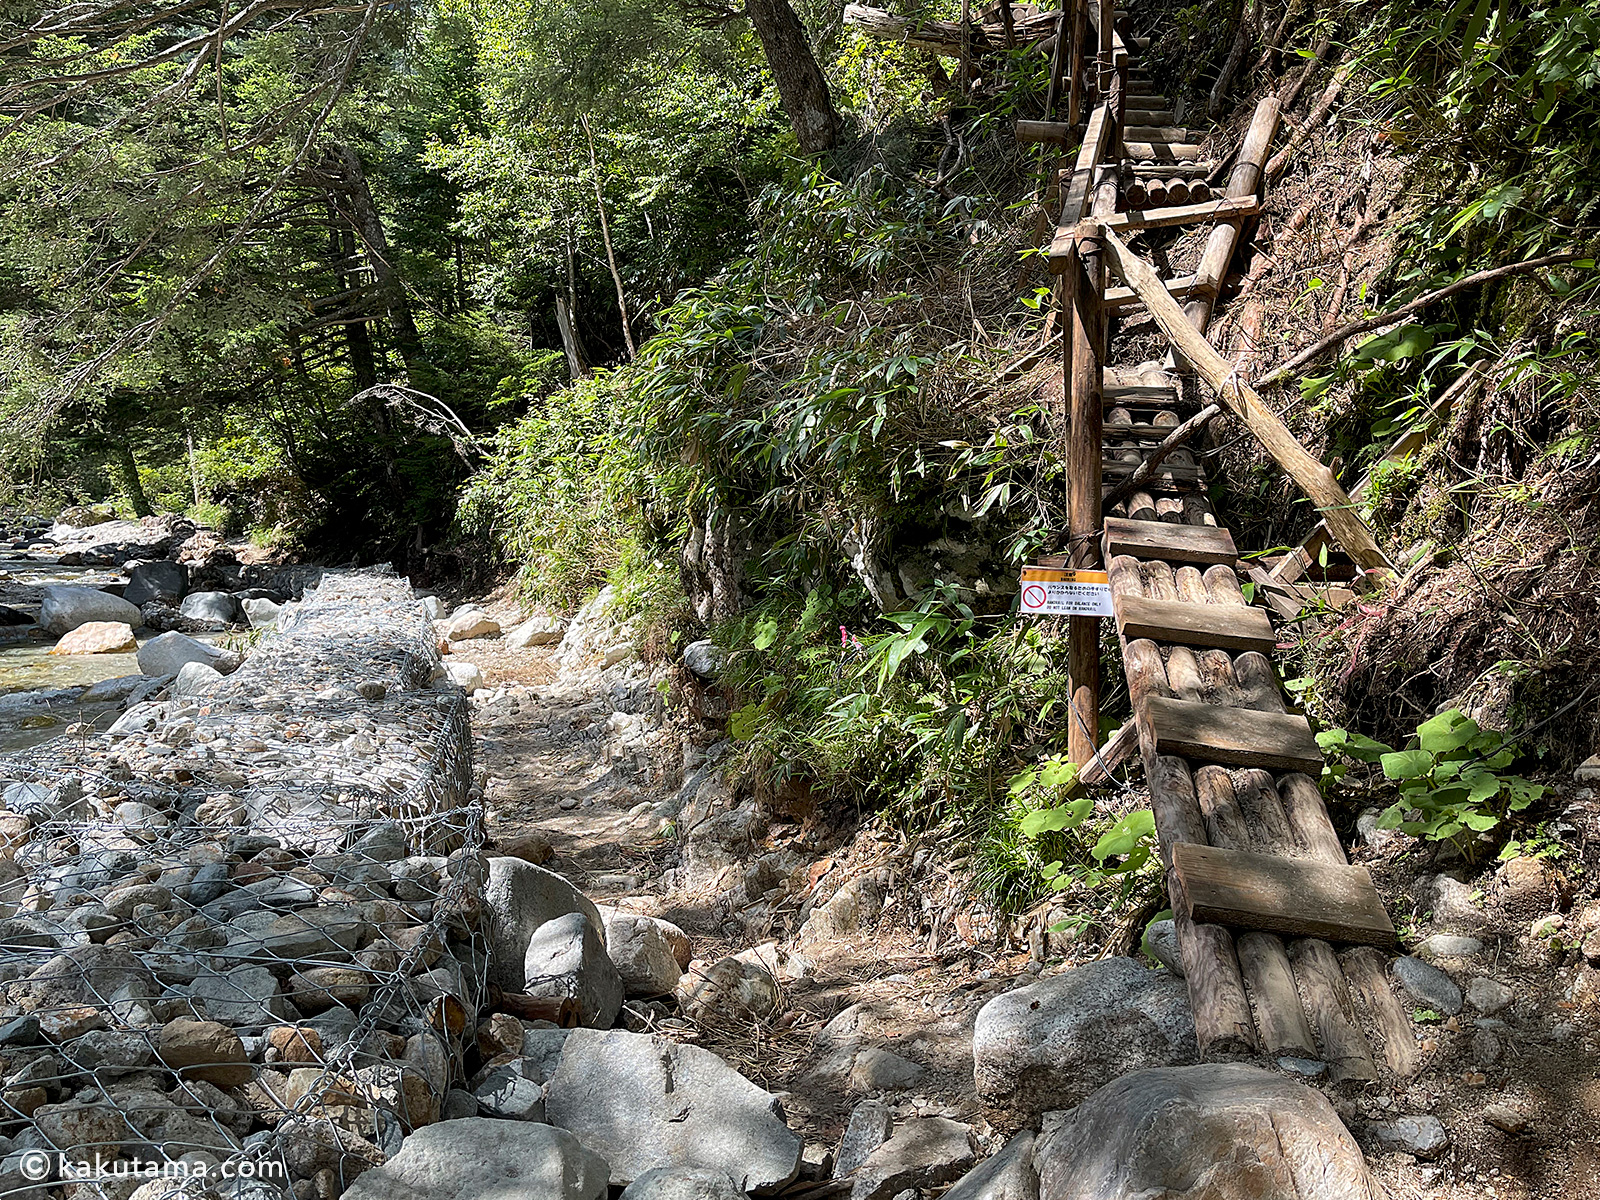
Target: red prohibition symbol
1033, 596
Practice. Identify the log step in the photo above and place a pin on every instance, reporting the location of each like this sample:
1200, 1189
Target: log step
1174, 543
1294, 896
1239, 737
1113, 468
1219, 626
1198, 169
1148, 116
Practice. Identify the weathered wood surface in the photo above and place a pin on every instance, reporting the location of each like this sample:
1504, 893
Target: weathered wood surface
1274, 894
1174, 543
1327, 1002
1364, 967
1186, 624
1239, 737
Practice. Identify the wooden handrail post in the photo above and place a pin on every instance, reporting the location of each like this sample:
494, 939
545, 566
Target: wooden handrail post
1087, 349
1080, 33
1108, 15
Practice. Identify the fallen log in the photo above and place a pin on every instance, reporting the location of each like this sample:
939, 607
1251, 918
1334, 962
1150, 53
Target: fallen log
945, 38
1276, 164
1313, 477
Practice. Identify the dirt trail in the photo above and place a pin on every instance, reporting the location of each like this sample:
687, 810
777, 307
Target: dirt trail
550, 747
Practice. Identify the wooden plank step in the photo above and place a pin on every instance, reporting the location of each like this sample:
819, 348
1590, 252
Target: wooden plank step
1223, 626
1160, 151
1155, 133
1198, 169
1294, 896
1116, 468
1148, 116
1174, 543
1237, 737
1141, 431
1226, 209
1139, 392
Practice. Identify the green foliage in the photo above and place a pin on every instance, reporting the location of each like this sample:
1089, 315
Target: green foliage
1452, 780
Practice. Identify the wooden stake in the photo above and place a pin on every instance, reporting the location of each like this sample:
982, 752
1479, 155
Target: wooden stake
1315, 479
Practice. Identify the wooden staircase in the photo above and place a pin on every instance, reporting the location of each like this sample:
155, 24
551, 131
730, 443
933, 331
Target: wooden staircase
1283, 941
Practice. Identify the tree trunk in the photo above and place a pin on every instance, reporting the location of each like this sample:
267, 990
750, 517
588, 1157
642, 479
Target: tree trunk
801, 87
605, 234
357, 337
369, 227
567, 319
126, 471
194, 466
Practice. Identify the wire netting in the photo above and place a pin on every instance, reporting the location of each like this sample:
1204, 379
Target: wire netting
239, 932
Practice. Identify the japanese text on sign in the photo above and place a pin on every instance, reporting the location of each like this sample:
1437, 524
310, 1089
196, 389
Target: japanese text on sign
1065, 591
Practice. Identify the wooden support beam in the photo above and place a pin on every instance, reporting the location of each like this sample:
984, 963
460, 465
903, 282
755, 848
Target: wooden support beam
1313, 477
1236, 736
1299, 897
1059, 132
1223, 626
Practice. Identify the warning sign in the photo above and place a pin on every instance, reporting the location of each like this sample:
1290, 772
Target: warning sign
1065, 591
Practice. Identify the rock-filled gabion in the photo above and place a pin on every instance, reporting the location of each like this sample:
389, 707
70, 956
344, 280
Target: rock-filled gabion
240, 931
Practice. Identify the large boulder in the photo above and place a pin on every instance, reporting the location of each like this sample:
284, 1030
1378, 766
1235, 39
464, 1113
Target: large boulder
65, 608
643, 1102
682, 1183
1050, 1044
922, 1153
162, 581
476, 1158
1009, 1175
566, 959
261, 612
520, 897
98, 637
217, 608
167, 654
536, 631
473, 623
1221, 1131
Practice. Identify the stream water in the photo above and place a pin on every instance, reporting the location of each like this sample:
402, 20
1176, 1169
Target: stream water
26, 664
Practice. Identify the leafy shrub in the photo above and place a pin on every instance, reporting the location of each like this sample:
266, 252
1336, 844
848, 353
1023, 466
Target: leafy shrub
1450, 778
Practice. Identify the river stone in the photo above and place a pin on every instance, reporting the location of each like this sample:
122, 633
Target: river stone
682, 1183
242, 996
261, 612
519, 897
923, 1153
65, 608
163, 582
1488, 996
477, 1158
1427, 985
474, 623
217, 607
703, 658
1050, 1044
1009, 1175
1221, 1131
195, 679
166, 655
878, 1070
871, 1123
204, 1050
98, 637
467, 676
1448, 945
566, 957
115, 690
512, 1091
535, 631
644, 1102
644, 956
730, 989
1423, 1136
